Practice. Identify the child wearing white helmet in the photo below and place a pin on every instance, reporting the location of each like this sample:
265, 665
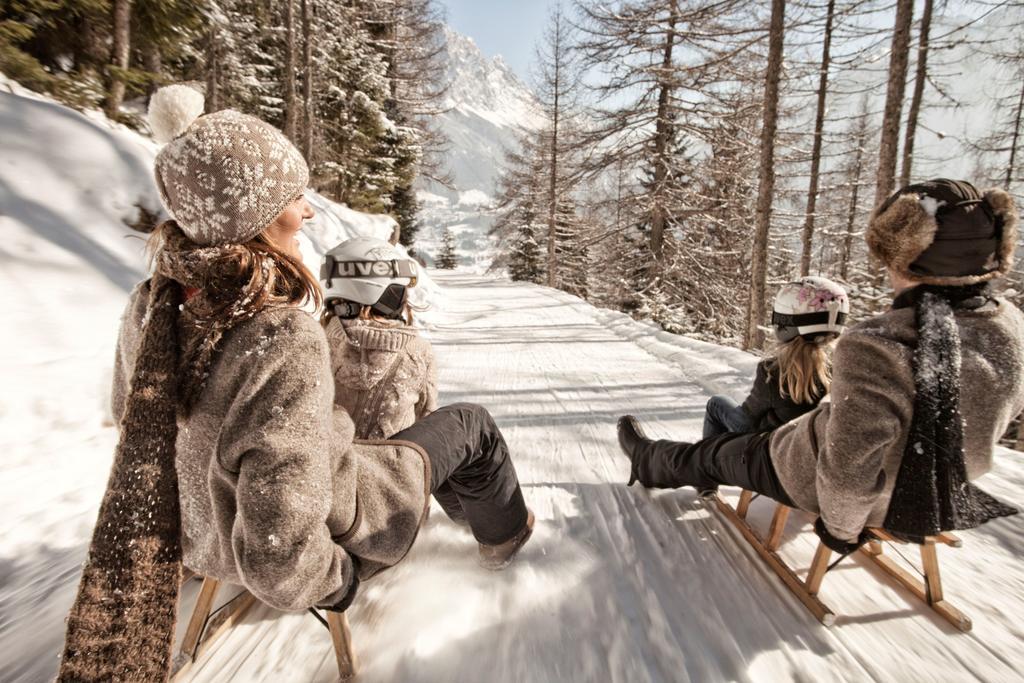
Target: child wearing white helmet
386, 380
921, 393
384, 373
808, 316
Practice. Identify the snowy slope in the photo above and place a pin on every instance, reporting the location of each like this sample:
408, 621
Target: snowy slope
618, 584
624, 584
487, 106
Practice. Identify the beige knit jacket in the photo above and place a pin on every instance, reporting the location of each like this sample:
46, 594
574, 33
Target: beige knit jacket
275, 496
384, 375
841, 459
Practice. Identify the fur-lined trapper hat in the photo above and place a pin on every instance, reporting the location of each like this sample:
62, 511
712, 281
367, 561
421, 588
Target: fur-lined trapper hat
945, 232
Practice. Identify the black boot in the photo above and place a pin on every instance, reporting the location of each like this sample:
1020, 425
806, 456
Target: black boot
632, 440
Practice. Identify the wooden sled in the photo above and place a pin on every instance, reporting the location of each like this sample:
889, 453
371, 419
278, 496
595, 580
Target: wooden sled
929, 590
206, 626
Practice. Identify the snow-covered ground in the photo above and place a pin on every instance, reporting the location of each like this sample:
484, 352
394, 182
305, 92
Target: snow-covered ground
617, 584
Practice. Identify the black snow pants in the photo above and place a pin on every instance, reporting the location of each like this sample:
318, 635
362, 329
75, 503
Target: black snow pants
471, 471
727, 460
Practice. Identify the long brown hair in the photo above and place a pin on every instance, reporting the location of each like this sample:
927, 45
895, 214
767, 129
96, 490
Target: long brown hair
258, 266
237, 281
805, 373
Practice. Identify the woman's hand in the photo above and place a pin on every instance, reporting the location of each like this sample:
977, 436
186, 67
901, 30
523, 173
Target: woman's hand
353, 588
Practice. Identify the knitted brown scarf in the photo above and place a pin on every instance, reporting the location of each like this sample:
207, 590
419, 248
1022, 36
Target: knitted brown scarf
121, 626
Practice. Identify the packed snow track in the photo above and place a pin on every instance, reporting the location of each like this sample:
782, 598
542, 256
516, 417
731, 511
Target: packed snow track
617, 584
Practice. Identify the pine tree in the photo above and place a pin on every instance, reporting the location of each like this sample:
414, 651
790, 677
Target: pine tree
525, 262
557, 88
448, 259
571, 250
520, 220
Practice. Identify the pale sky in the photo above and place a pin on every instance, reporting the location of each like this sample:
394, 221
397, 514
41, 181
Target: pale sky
506, 27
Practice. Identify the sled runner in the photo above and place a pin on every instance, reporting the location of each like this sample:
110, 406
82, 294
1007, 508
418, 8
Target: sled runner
929, 590
207, 625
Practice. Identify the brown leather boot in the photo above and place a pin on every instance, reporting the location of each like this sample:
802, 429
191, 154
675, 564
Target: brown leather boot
495, 557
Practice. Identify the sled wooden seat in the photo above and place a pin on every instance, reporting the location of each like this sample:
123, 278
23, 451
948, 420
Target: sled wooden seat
206, 626
929, 590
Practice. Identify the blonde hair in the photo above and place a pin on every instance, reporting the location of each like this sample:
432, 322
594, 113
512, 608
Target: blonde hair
805, 373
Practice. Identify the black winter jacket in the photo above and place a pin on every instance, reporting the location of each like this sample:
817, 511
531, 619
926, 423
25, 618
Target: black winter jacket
766, 405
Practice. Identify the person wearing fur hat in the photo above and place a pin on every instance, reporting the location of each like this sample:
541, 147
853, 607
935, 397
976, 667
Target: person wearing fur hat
920, 395
232, 457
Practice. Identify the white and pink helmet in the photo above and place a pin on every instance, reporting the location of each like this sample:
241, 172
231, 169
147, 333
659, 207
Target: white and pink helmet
814, 308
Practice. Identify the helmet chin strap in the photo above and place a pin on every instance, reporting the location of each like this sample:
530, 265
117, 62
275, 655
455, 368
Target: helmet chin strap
833, 312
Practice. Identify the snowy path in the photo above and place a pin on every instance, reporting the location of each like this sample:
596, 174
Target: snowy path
617, 584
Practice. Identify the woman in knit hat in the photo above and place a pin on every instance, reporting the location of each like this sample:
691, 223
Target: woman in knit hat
231, 456
920, 395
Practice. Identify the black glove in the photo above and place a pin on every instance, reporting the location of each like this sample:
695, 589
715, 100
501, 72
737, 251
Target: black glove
353, 588
837, 544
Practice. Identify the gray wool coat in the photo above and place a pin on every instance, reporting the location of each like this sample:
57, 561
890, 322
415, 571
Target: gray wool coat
841, 459
384, 375
275, 494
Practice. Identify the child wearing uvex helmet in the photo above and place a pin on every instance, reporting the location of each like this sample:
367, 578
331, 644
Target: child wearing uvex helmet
384, 373
809, 314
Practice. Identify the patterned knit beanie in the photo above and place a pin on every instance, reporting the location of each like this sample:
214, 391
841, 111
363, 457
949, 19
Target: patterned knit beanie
945, 232
226, 176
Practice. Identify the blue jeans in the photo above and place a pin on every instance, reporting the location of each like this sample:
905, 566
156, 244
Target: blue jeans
724, 415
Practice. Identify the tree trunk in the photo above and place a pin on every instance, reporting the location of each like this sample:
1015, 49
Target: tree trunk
662, 135
213, 70
307, 80
766, 187
894, 100
154, 65
915, 102
552, 192
92, 54
819, 124
851, 214
556, 90
120, 53
290, 104
1016, 138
